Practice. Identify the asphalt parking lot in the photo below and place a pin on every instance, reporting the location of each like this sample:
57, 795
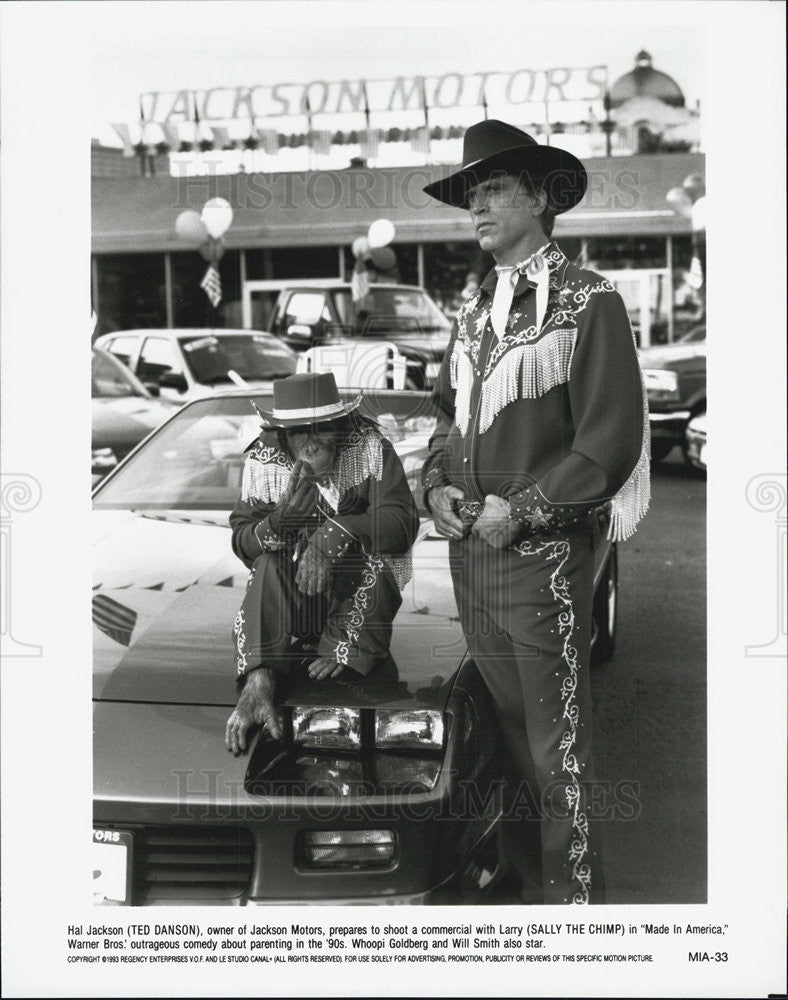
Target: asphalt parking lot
650, 702
650, 699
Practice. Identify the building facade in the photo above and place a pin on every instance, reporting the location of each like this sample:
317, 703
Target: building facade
295, 224
302, 225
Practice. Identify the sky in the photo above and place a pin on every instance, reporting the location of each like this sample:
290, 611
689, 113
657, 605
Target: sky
140, 48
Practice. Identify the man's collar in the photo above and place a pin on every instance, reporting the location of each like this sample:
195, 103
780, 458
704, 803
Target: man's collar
556, 264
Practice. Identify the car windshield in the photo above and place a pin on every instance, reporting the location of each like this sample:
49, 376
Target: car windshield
110, 379
196, 460
402, 309
249, 355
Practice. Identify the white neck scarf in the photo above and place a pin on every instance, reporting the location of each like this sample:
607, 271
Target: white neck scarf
535, 267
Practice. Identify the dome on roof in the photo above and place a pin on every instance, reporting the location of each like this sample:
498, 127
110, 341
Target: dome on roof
645, 81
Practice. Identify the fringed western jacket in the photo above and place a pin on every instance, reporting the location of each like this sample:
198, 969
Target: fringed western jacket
367, 503
553, 416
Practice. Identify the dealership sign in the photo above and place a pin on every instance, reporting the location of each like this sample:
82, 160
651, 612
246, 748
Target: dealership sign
452, 90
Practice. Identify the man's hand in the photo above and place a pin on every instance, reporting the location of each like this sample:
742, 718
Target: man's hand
313, 571
322, 668
255, 708
297, 503
495, 525
446, 521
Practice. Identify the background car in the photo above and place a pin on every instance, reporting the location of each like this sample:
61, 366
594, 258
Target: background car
675, 377
124, 412
696, 441
385, 789
313, 312
189, 363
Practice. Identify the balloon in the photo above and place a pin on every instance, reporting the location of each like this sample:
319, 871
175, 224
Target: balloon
383, 258
217, 214
679, 201
360, 246
699, 215
695, 186
212, 249
190, 227
695, 275
381, 233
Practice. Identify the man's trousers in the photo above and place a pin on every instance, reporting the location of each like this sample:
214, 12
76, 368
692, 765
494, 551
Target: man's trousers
350, 623
526, 615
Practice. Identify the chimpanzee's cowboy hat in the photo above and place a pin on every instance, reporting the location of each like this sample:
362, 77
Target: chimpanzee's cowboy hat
311, 398
493, 147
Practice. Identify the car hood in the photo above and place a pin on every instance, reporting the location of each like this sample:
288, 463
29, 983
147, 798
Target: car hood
167, 589
119, 422
672, 355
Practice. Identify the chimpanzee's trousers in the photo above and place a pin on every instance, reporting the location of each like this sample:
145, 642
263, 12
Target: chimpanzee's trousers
350, 622
526, 615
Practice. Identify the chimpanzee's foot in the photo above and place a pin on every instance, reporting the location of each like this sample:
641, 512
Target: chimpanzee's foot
323, 668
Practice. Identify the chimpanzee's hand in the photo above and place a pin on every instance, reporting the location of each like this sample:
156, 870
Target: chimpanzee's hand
322, 668
255, 708
297, 504
313, 571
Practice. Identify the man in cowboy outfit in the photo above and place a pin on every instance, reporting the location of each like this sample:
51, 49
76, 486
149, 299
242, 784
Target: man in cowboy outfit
541, 420
325, 523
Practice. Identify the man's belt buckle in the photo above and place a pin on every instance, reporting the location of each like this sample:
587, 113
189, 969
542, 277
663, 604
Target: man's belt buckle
467, 510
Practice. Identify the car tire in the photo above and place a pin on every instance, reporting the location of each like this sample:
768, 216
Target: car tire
605, 612
660, 449
684, 449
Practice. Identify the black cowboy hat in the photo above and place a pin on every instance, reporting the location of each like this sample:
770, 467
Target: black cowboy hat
493, 147
310, 398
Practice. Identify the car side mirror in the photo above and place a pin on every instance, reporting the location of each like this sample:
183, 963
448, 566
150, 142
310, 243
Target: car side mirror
153, 388
173, 380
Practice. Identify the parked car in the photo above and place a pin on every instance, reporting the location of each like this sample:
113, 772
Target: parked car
696, 441
124, 412
385, 789
185, 364
310, 313
675, 377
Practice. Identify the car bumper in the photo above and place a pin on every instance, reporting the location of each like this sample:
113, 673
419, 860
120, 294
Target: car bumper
668, 426
181, 805
696, 449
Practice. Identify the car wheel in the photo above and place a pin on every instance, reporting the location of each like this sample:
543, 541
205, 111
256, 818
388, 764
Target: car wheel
684, 448
605, 613
660, 449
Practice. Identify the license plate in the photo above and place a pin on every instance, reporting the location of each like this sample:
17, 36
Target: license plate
432, 369
112, 857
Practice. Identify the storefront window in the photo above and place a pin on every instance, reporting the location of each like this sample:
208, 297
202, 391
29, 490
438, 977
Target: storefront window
625, 252
292, 262
191, 306
572, 248
689, 284
130, 291
449, 268
407, 269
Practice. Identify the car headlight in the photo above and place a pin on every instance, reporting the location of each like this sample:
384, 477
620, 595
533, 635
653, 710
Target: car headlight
661, 383
337, 728
415, 729
400, 773
347, 849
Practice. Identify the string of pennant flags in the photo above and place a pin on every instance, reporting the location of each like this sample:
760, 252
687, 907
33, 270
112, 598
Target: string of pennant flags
320, 141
